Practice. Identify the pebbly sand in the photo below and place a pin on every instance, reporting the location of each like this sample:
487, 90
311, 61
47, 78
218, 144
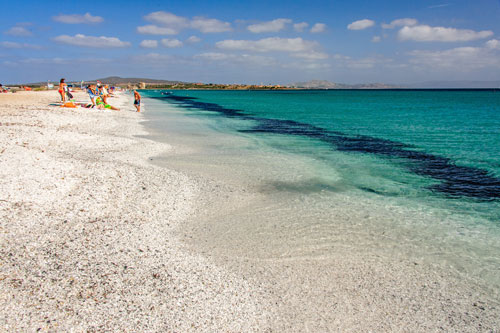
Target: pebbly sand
86, 229
95, 237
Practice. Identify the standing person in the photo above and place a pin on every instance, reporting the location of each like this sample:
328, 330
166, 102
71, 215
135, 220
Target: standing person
137, 101
62, 90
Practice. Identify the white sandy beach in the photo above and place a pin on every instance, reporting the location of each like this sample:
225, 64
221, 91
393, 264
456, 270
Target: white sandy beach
86, 241
93, 237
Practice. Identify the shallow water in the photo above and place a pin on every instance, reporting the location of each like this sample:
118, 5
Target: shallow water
406, 174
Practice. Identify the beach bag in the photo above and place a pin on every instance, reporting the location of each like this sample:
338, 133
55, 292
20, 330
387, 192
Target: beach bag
66, 89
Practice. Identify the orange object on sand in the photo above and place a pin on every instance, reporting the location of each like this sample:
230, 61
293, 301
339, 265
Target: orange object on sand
69, 105
27, 88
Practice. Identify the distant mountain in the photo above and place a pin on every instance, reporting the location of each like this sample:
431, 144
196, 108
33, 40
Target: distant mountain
315, 84
455, 84
133, 80
322, 84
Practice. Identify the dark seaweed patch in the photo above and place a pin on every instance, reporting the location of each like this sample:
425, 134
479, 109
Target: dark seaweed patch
454, 180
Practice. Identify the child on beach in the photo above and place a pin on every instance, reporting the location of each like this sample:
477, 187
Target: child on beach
137, 101
102, 105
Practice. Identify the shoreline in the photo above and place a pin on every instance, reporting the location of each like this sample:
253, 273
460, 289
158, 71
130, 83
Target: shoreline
97, 234
349, 287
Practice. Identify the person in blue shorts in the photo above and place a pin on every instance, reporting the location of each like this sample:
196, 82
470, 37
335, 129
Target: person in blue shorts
137, 101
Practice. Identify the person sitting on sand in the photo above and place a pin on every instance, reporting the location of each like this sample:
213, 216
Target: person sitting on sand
2, 89
103, 93
137, 101
101, 105
109, 91
92, 93
62, 90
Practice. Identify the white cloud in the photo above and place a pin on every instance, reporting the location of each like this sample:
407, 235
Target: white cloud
171, 42
342, 61
40, 61
439, 6
168, 19
149, 44
311, 55
170, 24
18, 31
308, 66
408, 22
314, 66
247, 59
193, 39
361, 24
341, 57
269, 26
87, 18
207, 25
153, 57
461, 59
156, 30
62, 61
365, 63
91, 41
318, 27
376, 39
425, 33
14, 45
299, 27
269, 45
493, 44
9, 63
213, 56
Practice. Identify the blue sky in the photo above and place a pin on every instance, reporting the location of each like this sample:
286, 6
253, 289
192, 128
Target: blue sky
251, 42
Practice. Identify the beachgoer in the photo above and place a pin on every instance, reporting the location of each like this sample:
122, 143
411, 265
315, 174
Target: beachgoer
101, 105
137, 101
103, 93
92, 93
62, 91
2, 89
109, 91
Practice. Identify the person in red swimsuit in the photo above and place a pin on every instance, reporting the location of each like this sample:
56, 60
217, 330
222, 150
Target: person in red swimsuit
61, 90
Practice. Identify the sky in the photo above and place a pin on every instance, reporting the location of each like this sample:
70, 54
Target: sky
270, 42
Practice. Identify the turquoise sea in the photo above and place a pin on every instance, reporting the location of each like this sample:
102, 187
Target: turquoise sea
410, 173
